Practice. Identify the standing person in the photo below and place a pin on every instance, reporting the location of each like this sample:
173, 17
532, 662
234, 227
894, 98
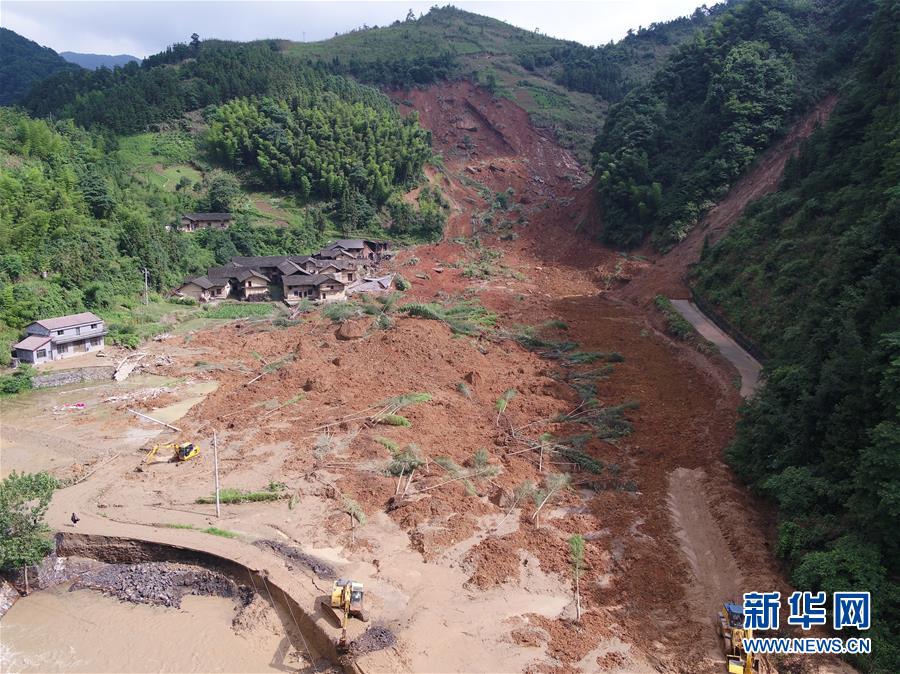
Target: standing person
75, 520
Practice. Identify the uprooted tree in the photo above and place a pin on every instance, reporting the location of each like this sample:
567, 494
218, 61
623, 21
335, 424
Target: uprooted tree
24, 498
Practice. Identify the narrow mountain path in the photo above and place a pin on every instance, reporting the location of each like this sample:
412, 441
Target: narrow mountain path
747, 366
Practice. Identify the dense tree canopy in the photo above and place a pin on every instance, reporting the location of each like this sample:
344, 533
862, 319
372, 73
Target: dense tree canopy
24, 537
182, 79
320, 147
673, 147
812, 273
23, 63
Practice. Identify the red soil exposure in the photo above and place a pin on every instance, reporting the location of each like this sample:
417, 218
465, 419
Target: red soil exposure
638, 585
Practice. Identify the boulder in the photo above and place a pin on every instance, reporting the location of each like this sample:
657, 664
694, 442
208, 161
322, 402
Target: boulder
353, 329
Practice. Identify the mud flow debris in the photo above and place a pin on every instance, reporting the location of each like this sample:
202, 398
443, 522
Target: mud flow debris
159, 583
376, 638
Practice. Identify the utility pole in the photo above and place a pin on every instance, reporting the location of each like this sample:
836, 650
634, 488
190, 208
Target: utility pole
146, 286
216, 460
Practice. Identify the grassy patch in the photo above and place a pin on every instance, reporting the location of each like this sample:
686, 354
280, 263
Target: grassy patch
213, 531
394, 420
240, 310
273, 492
464, 318
224, 533
389, 444
680, 328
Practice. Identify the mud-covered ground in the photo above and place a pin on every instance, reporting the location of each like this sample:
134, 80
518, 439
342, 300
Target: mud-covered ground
465, 559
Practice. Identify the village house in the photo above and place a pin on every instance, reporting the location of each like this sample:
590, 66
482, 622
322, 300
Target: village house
191, 222
376, 285
335, 254
330, 274
346, 271
251, 285
205, 289
56, 338
268, 265
358, 249
313, 287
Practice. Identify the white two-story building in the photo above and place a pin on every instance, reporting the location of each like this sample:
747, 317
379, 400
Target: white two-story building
56, 338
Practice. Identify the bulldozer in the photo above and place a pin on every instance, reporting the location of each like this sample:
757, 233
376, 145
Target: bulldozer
180, 452
732, 632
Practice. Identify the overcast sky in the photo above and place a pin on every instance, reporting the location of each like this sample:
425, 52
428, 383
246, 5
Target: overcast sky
140, 27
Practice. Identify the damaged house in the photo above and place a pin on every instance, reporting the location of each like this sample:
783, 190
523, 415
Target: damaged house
355, 249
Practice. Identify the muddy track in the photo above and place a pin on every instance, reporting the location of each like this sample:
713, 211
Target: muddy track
716, 575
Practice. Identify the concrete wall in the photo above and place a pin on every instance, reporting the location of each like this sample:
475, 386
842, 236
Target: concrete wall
74, 376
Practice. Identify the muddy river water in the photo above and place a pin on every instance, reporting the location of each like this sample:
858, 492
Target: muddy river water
85, 631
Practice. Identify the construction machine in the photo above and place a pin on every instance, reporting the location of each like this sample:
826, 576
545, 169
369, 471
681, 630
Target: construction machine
181, 451
732, 631
346, 601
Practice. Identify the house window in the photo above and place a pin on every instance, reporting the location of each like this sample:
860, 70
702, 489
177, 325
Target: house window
60, 332
41, 353
77, 331
93, 326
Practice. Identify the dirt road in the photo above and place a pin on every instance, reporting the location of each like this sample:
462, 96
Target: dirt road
747, 366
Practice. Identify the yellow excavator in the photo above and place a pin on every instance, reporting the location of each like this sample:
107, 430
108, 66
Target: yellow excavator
731, 630
181, 451
346, 600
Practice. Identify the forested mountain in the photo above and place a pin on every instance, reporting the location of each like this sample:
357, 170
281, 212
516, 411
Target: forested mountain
94, 61
812, 273
674, 146
184, 78
563, 85
84, 209
23, 63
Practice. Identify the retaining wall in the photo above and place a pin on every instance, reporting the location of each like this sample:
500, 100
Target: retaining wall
745, 342
74, 376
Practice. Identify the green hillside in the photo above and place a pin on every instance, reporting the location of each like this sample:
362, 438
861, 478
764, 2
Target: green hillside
812, 274
563, 85
24, 63
298, 154
674, 146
